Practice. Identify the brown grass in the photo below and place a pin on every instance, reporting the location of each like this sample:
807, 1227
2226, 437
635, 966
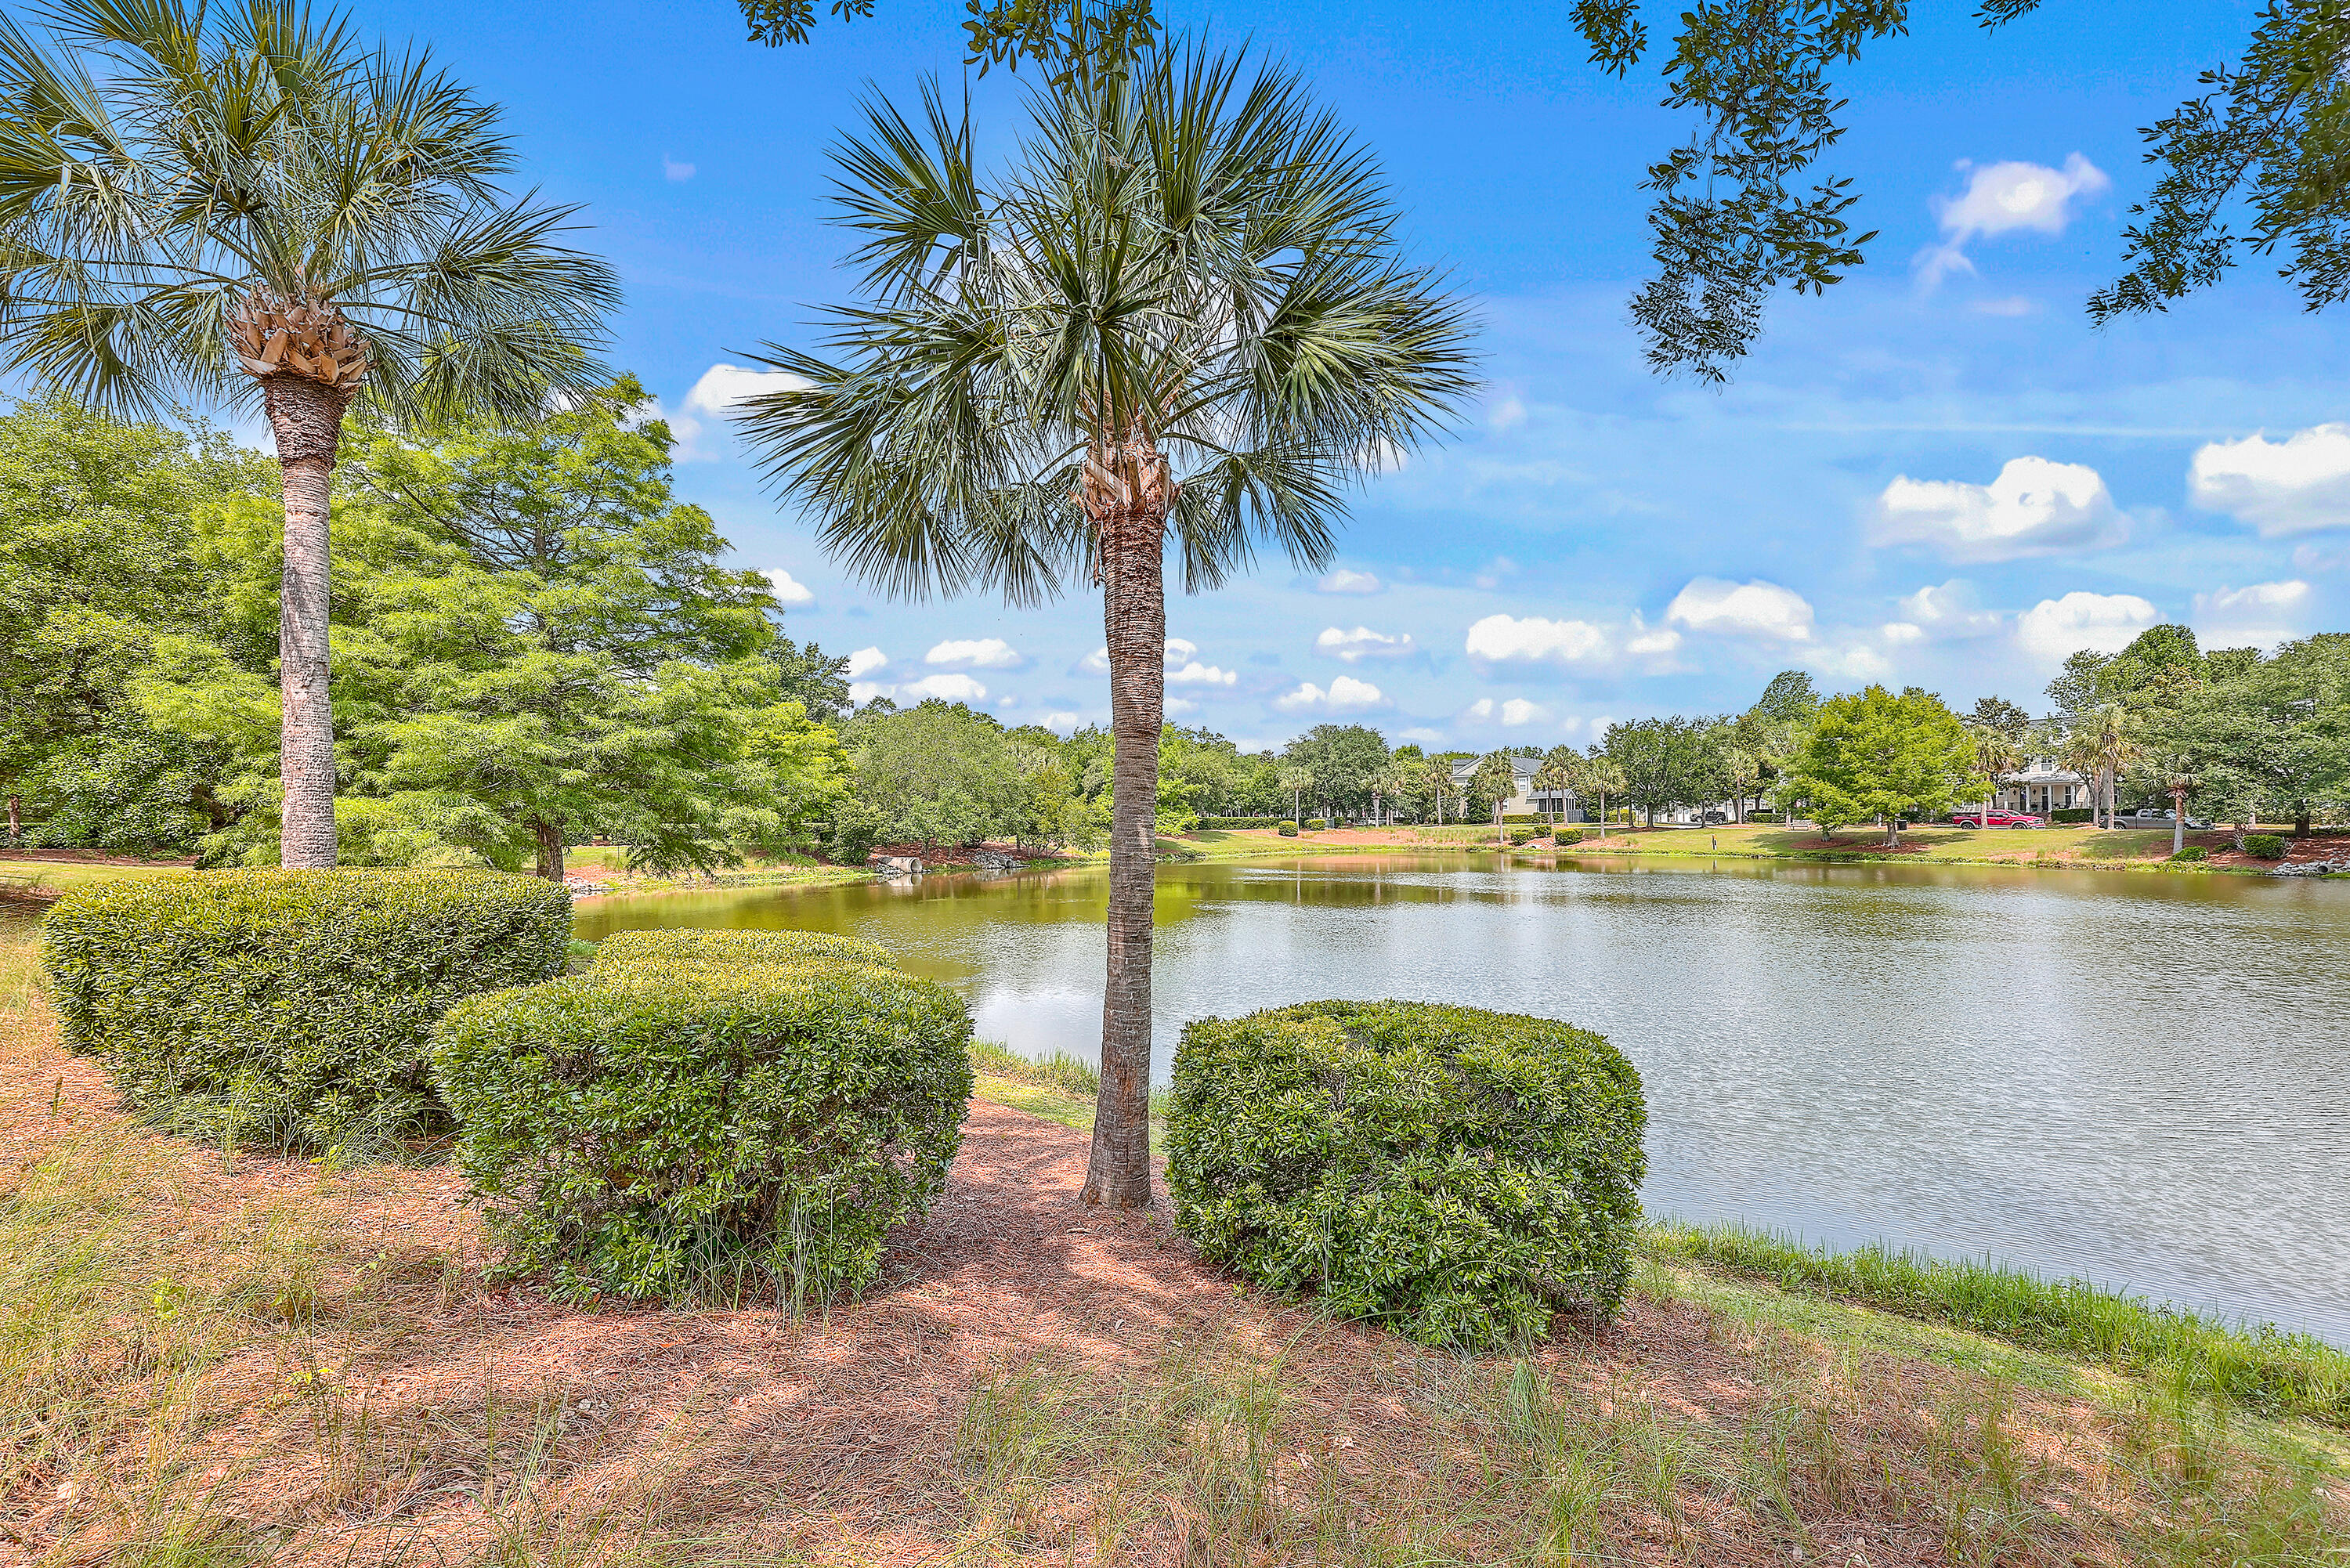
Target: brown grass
207, 1358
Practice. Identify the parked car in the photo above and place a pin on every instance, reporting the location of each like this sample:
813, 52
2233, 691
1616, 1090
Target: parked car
1711, 818
1994, 819
2148, 816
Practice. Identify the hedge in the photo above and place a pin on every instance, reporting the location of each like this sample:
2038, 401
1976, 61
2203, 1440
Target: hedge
2264, 846
707, 1112
1566, 835
2073, 814
1454, 1174
1232, 822
294, 1008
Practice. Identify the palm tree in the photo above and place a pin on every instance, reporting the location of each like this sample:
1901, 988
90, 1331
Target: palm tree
1605, 776
1178, 317
1557, 776
240, 205
2109, 743
1996, 754
1297, 781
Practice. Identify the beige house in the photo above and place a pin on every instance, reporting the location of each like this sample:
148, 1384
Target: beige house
2039, 787
1523, 801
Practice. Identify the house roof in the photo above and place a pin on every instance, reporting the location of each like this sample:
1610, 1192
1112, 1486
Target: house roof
1526, 768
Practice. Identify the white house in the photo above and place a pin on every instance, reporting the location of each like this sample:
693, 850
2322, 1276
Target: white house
2039, 787
1523, 801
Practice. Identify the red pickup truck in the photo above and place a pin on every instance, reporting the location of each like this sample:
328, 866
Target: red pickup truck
1994, 819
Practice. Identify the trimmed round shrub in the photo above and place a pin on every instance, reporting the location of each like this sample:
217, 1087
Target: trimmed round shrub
293, 1008
695, 945
692, 1125
1316, 823
2191, 853
1289, 830
2264, 846
1453, 1174
1522, 836
1566, 835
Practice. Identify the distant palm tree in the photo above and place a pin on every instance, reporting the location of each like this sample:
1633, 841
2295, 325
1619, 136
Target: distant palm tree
240, 203
1179, 317
1556, 776
1297, 781
1996, 754
2108, 743
1604, 774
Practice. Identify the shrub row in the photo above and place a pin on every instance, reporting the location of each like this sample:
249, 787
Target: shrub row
2073, 814
294, 1008
2264, 846
1228, 822
1454, 1174
708, 1110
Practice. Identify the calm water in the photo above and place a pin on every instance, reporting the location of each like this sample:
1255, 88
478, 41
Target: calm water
2141, 1079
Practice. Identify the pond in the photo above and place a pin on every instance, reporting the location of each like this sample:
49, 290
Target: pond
2140, 1079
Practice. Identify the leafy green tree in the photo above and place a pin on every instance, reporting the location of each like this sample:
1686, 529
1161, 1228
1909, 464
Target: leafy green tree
2276, 737
1666, 762
937, 774
1876, 754
241, 204
1740, 211
98, 570
1996, 713
1180, 318
1342, 762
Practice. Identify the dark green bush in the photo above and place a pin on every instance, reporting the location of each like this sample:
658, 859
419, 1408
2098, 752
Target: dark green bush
1316, 823
1566, 835
707, 1120
2073, 814
293, 1008
2192, 852
1522, 836
2264, 846
1289, 830
1454, 1174
1227, 822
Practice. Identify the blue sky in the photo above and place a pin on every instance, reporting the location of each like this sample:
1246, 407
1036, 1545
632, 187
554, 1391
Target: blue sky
1937, 474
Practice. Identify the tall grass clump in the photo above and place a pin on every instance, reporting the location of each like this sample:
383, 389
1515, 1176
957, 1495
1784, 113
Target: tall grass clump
2261, 1367
1071, 1074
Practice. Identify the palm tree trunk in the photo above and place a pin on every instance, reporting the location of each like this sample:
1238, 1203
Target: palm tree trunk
1134, 619
306, 418
2177, 820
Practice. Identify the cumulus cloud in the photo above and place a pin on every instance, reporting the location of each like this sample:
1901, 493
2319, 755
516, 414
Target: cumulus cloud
2034, 507
947, 688
2053, 628
721, 387
672, 168
2007, 198
1507, 414
865, 661
975, 653
1344, 581
1195, 674
1513, 713
1742, 609
1946, 612
1854, 661
1362, 643
1344, 695
788, 589
2296, 485
1534, 640
2261, 614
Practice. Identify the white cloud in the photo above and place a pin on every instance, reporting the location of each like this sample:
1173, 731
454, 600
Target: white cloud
2261, 614
1198, 674
1345, 695
865, 661
1060, 720
1344, 581
1742, 609
2296, 485
955, 688
2003, 198
1421, 735
1362, 643
1650, 643
719, 389
674, 170
1508, 414
978, 653
788, 589
2013, 305
1949, 611
1849, 661
1512, 712
1179, 706
1899, 632
1506, 640
2034, 507
2053, 628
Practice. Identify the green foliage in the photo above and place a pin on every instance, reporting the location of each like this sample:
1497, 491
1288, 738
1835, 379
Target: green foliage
1454, 1174
1060, 1069
707, 1112
1566, 835
2264, 846
1288, 830
2193, 851
1316, 823
1230, 822
1522, 836
2278, 1374
2071, 813
936, 774
292, 1007
1343, 763
1874, 754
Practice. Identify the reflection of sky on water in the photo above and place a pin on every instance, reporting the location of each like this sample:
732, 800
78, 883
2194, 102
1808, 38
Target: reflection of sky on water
2141, 1078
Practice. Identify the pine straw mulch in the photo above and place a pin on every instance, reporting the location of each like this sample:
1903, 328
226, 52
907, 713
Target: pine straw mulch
276, 1362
